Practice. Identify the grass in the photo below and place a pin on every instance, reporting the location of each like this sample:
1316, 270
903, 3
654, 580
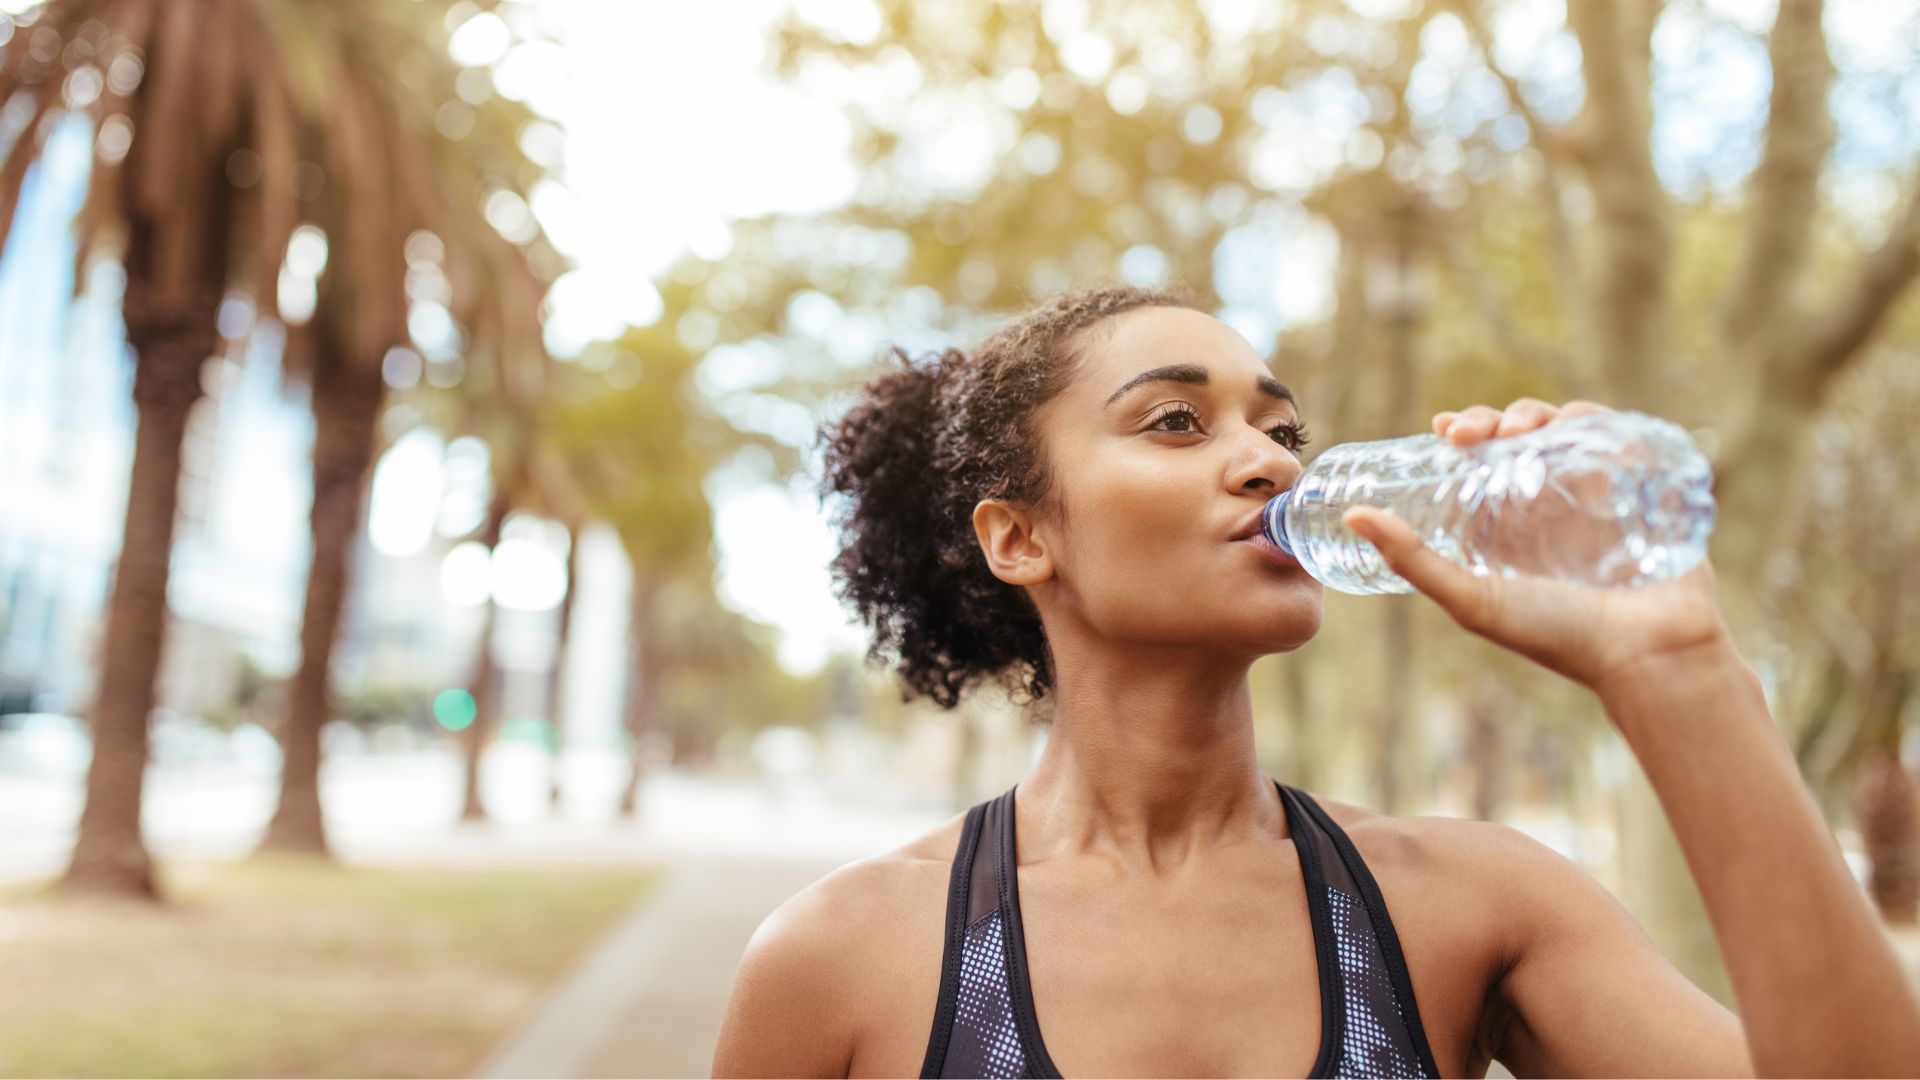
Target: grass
292, 967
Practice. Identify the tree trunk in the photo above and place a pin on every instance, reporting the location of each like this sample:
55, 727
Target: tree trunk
1883, 794
643, 684
1821, 742
176, 269
346, 407
484, 686
557, 676
1396, 646
1632, 211
1397, 642
1628, 298
1301, 765
1489, 753
1884, 802
966, 758
110, 855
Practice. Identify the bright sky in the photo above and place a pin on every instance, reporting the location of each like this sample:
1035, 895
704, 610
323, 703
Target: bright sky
673, 128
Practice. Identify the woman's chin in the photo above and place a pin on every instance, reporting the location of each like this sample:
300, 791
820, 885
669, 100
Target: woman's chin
1292, 625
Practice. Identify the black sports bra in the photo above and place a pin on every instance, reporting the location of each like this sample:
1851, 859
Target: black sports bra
985, 1025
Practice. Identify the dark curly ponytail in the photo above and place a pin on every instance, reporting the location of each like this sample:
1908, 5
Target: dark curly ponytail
925, 442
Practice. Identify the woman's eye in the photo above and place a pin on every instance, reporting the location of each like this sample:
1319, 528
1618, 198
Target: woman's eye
1292, 436
1179, 420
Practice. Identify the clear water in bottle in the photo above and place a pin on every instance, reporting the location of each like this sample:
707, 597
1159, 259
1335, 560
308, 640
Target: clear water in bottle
1605, 499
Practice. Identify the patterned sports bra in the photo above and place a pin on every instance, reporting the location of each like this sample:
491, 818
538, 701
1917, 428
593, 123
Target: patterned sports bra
985, 1025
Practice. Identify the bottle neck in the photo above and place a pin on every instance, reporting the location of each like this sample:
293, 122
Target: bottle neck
1273, 521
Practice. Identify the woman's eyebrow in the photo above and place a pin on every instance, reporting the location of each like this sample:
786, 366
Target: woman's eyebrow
1195, 375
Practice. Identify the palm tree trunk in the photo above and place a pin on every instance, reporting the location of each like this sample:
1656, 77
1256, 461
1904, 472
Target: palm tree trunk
473, 741
110, 855
486, 675
346, 406
557, 676
643, 684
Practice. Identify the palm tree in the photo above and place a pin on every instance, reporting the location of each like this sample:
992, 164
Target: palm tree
178, 92
557, 674
641, 460
409, 208
528, 474
222, 124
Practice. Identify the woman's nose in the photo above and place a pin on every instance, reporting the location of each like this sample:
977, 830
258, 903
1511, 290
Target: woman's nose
1261, 466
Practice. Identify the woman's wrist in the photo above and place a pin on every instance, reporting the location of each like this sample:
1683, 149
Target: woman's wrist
1672, 688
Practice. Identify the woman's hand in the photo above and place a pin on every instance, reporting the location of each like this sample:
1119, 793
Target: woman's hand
1595, 636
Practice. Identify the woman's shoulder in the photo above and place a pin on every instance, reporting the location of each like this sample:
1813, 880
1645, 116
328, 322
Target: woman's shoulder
852, 957
1433, 842
1463, 896
1472, 878
906, 873
858, 898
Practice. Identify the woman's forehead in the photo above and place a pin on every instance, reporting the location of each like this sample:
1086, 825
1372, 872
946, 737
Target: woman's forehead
1133, 342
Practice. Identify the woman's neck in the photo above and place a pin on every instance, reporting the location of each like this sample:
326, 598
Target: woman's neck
1150, 761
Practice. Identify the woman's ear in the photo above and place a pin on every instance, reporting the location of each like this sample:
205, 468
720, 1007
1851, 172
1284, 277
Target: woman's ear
1014, 554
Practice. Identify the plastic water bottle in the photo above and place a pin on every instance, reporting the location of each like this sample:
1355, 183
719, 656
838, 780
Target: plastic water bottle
1606, 499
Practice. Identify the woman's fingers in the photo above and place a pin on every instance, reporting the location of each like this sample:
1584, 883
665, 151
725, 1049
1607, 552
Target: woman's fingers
1464, 596
1472, 425
1478, 423
1524, 415
1582, 408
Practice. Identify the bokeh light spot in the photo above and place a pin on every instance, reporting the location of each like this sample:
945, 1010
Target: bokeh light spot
453, 709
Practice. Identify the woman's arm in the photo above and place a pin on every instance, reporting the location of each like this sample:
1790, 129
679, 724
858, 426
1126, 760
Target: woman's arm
789, 1013
1584, 990
1819, 986
1588, 993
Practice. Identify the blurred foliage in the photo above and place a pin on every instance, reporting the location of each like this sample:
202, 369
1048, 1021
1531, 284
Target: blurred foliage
1489, 224
255, 693
721, 676
1849, 589
640, 444
379, 706
630, 435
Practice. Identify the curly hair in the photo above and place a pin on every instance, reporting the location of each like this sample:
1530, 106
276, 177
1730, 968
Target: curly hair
926, 441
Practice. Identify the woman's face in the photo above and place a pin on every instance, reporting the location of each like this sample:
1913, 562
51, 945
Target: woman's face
1166, 443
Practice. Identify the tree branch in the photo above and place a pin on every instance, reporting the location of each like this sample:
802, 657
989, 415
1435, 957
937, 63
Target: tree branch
1631, 205
1785, 186
1562, 244
1884, 274
1544, 137
1494, 304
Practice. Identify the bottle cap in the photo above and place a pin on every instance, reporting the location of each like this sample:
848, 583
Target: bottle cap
1273, 522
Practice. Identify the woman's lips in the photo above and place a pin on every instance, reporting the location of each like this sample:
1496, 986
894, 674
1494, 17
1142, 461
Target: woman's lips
1268, 551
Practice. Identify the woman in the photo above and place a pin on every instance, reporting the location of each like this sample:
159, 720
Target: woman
1071, 508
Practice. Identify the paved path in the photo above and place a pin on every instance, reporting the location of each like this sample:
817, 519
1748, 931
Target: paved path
648, 999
